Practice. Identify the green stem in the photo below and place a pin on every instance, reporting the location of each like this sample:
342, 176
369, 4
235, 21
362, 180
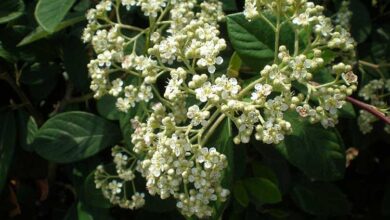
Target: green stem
212, 129
296, 42
268, 22
277, 32
249, 87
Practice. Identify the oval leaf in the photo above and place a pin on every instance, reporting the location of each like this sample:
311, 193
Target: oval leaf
94, 197
251, 40
255, 41
49, 13
39, 33
263, 190
316, 151
10, 10
320, 198
240, 193
74, 136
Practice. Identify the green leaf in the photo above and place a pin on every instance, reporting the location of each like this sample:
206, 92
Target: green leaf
255, 41
320, 198
106, 107
41, 79
259, 170
39, 33
316, 151
263, 190
125, 124
240, 193
10, 10
49, 13
234, 65
360, 21
27, 128
76, 61
5, 54
251, 40
81, 211
222, 140
92, 196
73, 136
7, 144
347, 111
229, 5
274, 160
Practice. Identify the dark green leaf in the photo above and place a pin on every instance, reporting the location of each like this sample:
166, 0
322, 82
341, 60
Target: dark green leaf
5, 54
255, 41
106, 107
39, 33
240, 193
10, 10
347, 111
320, 198
229, 5
80, 211
316, 151
222, 140
75, 61
125, 122
274, 160
27, 128
259, 170
7, 144
49, 13
263, 190
74, 136
360, 21
92, 196
234, 65
41, 79
251, 40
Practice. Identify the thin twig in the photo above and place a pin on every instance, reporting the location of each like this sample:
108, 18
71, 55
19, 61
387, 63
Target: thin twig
369, 108
23, 97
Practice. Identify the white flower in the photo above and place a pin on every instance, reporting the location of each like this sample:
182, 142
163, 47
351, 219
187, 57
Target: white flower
105, 58
116, 87
128, 3
302, 19
172, 90
261, 91
197, 116
123, 104
250, 10
332, 103
349, 77
204, 92
145, 93
115, 187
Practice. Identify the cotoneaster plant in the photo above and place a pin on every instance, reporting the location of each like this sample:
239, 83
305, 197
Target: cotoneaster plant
181, 49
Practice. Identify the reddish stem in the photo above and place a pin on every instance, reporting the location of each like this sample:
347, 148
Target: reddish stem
369, 108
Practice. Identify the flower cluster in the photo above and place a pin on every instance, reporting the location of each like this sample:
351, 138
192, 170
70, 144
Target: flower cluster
376, 92
116, 186
182, 48
319, 102
183, 38
172, 163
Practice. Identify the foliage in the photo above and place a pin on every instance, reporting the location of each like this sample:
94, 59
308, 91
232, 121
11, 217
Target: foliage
74, 144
